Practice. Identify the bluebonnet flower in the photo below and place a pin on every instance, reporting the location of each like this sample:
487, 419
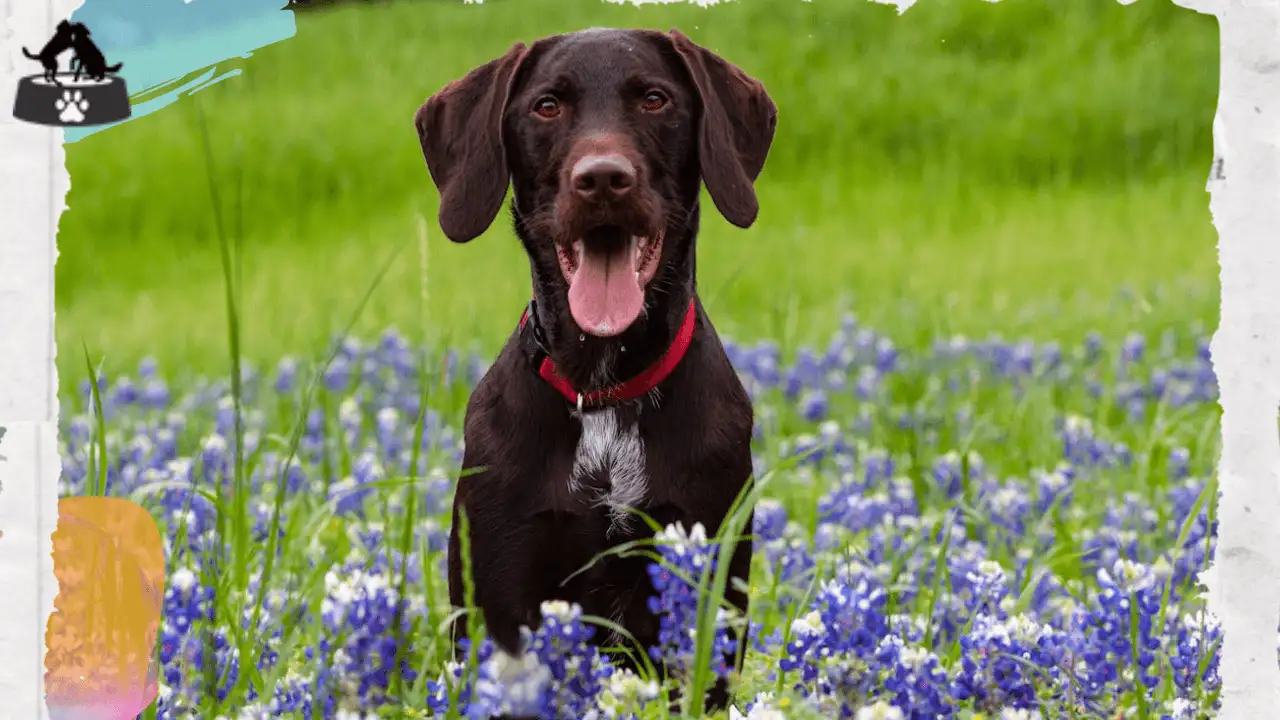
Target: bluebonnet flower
879, 710
513, 686
760, 708
832, 647
1116, 638
351, 492
686, 556
1193, 656
914, 680
788, 556
1180, 709
556, 674
886, 625
359, 612
770, 520
1006, 661
1133, 349
625, 695
813, 405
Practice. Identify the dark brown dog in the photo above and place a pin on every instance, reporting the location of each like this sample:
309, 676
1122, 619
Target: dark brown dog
616, 392
89, 59
48, 55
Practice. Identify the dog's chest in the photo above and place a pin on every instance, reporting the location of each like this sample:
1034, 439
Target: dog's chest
609, 462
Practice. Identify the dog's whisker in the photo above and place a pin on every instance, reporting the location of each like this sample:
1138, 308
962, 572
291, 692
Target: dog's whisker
655, 398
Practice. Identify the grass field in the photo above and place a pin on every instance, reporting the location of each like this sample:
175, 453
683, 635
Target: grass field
1023, 170
1019, 161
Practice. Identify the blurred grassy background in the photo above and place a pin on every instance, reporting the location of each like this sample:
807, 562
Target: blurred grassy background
1030, 167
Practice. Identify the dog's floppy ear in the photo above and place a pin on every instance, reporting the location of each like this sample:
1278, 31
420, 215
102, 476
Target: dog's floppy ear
736, 130
460, 129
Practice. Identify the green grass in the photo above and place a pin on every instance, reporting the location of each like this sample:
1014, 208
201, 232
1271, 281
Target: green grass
969, 167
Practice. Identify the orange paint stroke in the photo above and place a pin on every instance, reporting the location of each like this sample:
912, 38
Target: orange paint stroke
100, 662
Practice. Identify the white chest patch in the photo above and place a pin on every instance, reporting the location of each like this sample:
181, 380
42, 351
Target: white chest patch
610, 448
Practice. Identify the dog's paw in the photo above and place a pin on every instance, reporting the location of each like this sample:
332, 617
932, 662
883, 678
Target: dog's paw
71, 106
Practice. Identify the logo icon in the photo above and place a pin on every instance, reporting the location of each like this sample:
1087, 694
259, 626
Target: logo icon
86, 92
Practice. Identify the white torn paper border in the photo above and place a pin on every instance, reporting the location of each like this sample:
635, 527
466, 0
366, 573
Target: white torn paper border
1244, 582
1244, 178
28, 516
33, 188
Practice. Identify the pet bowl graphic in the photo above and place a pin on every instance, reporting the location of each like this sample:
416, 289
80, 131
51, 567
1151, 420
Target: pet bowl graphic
70, 102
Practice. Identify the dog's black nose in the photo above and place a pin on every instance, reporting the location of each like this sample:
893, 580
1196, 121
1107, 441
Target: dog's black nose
597, 177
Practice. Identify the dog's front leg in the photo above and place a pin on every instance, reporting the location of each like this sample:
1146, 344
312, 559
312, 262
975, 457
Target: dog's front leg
501, 555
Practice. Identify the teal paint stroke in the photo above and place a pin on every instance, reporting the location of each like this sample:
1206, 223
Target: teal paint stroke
162, 41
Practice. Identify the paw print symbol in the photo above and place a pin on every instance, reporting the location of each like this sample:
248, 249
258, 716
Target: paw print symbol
71, 106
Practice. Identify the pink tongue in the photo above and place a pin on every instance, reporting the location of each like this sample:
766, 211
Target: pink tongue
605, 296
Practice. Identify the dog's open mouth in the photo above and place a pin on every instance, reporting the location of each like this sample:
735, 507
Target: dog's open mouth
608, 270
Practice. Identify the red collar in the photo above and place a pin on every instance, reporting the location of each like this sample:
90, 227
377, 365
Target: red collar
634, 388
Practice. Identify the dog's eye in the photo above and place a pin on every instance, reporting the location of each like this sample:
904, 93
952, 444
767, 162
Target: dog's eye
546, 106
654, 101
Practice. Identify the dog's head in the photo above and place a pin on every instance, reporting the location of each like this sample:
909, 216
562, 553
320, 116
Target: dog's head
606, 137
79, 32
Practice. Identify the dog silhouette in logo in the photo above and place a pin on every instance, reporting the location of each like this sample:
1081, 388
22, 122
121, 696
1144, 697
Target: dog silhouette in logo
48, 55
89, 58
